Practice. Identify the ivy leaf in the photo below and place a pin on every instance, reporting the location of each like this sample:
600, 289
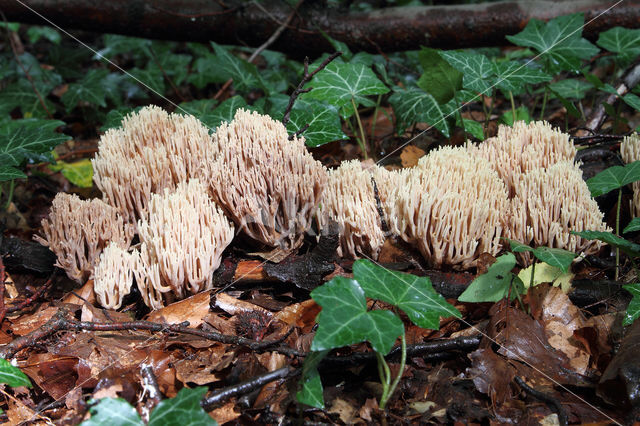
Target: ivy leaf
113, 412
338, 83
175, 65
150, 78
213, 117
439, 78
310, 392
559, 41
344, 319
35, 33
494, 285
571, 88
206, 70
513, 76
633, 226
474, 128
613, 178
414, 105
632, 100
244, 74
21, 94
323, 120
412, 294
25, 139
12, 375
522, 114
115, 116
556, 257
79, 173
629, 248
182, 410
118, 44
633, 310
623, 41
10, 173
476, 69
90, 89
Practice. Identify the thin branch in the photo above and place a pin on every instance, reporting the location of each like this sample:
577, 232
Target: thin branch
548, 399
150, 384
29, 300
305, 79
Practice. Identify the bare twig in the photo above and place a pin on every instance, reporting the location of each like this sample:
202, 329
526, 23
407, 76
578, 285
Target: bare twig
263, 46
306, 77
57, 322
150, 384
247, 386
548, 399
29, 300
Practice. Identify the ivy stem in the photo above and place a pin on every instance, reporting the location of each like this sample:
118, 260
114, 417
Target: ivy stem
544, 101
12, 185
362, 141
403, 360
460, 114
618, 233
385, 378
513, 106
375, 118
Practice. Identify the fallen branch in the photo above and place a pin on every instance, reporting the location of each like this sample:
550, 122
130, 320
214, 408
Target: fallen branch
387, 29
548, 399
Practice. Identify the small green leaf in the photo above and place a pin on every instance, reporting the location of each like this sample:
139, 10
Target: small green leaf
205, 70
496, 283
614, 178
571, 108
118, 44
412, 294
90, 89
35, 33
414, 105
12, 375
522, 114
150, 79
10, 173
176, 66
517, 246
113, 412
245, 75
79, 173
633, 310
310, 392
439, 78
559, 41
632, 100
623, 41
476, 69
629, 248
182, 410
223, 112
571, 88
633, 226
474, 128
344, 319
115, 116
555, 257
339, 83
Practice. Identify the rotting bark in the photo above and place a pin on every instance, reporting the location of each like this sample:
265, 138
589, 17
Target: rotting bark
249, 23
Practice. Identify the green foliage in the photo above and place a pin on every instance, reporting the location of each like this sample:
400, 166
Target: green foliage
183, 410
623, 41
571, 88
633, 226
559, 42
345, 319
630, 249
439, 78
556, 257
12, 375
90, 89
414, 105
614, 178
633, 310
496, 284
79, 173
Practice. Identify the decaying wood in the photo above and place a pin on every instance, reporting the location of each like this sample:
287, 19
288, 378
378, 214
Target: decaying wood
250, 23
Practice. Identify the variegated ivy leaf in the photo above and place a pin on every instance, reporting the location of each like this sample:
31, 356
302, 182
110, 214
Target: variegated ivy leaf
512, 76
414, 105
339, 83
27, 139
623, 41
476, 69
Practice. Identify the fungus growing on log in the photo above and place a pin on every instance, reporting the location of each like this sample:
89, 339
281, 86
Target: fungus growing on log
549, 203
153, 150
269, 185
77, 231
183, 237
113, 276
523, 148
349, 200
454, 207
630, 151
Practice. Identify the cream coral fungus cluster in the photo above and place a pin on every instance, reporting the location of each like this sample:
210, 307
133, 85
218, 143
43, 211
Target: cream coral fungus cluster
630, 151
349, 200
77, 231
153, 150
183, 237
454, 207
268, 185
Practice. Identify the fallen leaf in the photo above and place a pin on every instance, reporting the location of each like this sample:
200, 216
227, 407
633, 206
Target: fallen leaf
233, 306
27, 323
344, 410
492, 375
81, 296
193, 309
410, 155
545, 273
225, 414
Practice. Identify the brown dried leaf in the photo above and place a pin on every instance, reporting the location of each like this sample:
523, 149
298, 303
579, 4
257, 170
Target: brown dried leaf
56, 375
233, 306
202, 367
225, 414
193, 309
492, 375
27, 323
301, 314
410, 155
81, 296
344, 410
